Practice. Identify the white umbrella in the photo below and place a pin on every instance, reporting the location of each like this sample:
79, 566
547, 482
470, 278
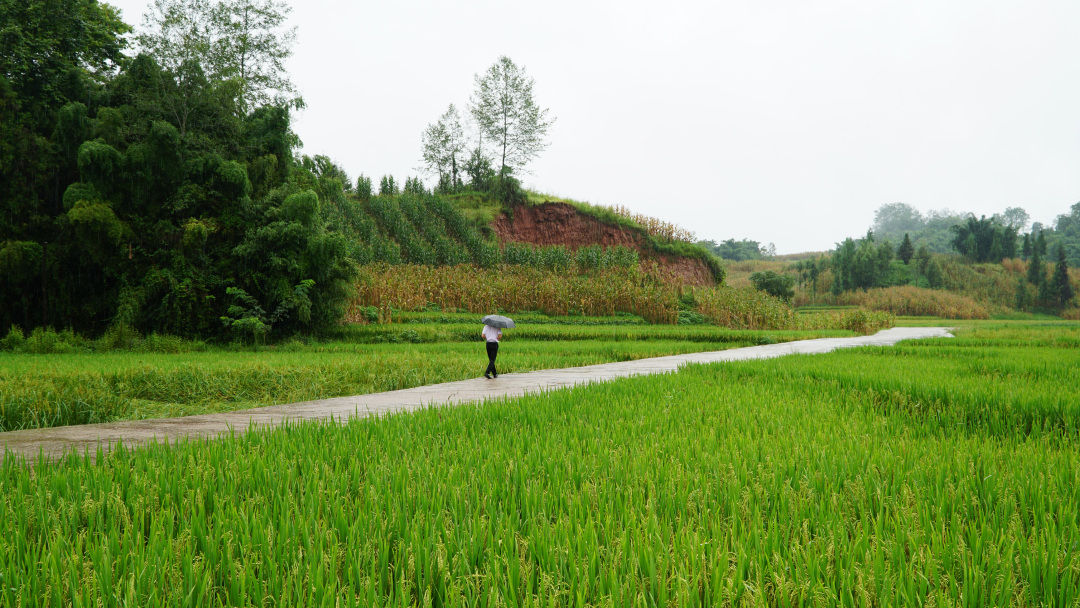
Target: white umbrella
499, 321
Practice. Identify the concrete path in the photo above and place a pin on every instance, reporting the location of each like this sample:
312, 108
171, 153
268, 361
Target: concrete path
57, 441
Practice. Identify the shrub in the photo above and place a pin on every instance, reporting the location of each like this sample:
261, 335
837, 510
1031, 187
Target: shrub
778, 285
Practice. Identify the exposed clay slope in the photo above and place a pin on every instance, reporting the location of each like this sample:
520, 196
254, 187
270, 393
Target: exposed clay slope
555, 223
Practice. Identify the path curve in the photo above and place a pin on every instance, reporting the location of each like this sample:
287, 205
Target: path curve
57, 441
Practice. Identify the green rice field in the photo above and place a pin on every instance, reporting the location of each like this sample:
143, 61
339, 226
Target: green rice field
935, 473
54, 389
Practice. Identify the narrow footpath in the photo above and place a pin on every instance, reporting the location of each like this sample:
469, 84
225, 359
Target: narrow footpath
57, 441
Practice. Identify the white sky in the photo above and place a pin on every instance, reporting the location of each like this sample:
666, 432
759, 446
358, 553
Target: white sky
788, 121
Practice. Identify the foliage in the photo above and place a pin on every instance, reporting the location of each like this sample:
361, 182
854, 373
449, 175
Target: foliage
478, 168
363, 188
235, 41
504, 110
444, 149
1061, 291
738, 251
388, 187
984, 240
905, 250
860, 264
1066, 234
413, 185
778, 285
931, 230
162, 202
507, 190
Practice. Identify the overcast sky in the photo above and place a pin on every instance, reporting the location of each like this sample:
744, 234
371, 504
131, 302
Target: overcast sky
787, 121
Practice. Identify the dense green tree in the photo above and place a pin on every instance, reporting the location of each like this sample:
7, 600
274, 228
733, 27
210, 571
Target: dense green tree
860, 264
1061, 291
906, 250
1067, 234
1025, 249
478, 168
1036, 274
984, 240
740, 250
1040, 243
779, 285
505, 112
140, 196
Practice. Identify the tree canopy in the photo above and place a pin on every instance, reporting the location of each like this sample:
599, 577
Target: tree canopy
503, 107
984, 240
141, 195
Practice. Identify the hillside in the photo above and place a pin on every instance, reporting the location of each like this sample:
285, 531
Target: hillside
554, 235
559, 223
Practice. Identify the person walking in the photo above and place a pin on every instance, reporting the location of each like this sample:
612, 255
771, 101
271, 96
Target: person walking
491, 335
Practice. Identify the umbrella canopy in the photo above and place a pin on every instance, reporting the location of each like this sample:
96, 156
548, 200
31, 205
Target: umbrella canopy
498, 321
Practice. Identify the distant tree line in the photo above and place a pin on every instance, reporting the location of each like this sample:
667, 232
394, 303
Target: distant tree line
990, 242
739, 251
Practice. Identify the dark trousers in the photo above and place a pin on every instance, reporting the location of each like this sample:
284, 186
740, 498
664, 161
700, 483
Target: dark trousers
493, 351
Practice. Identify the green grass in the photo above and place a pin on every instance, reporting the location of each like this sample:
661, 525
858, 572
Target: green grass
943, 472
60, 389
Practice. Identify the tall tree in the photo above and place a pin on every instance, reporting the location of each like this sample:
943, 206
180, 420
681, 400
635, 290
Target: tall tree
1060, 289
505, 111
1035, 273
906, 249
238, 41
444, 147
251, 48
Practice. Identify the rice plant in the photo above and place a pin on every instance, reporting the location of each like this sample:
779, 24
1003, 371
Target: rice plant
838, 479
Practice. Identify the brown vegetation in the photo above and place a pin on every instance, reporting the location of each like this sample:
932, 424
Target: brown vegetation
910, 301
655, 294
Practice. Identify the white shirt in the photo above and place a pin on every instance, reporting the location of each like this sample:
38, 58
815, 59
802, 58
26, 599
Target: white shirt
491, 334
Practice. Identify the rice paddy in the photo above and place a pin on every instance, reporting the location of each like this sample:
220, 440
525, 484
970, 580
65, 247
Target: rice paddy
43, 390
940, 472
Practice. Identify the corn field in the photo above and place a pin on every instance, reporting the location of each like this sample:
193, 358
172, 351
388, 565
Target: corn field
654, 226
512, 289
653, 295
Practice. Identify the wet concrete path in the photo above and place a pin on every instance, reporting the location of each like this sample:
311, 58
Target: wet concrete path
57, 441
